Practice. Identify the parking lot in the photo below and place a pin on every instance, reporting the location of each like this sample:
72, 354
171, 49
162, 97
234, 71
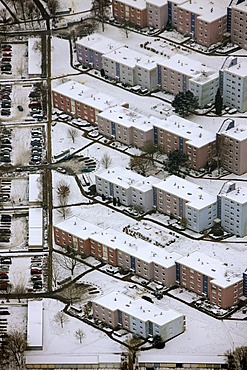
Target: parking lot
36, 146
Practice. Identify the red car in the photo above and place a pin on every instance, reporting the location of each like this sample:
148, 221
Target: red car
36, 271
7, 54
6, 48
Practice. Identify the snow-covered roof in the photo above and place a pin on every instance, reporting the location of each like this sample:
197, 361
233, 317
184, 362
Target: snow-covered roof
138, 4
34, 56
139, 308
205, 77
126, 178
238, 132
35, 217
195, 196
128, 118
206, 9
35, 324
239, 195
137, 248
131, 58
220, 274
78, 227
34, 188
68, 358
239, 69
99, 43
86, 95
241, 7
146, 356
35, 227
185, 65
157, 2
195, 134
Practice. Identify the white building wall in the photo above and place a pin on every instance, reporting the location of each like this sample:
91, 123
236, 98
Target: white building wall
234, 216
172, 328
199, 220
142, 198
204, 92
235, 90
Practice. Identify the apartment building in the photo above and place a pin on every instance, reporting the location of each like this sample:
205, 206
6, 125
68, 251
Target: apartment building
233, 149
209, 277
179, 73
137, 255
138, 316
126, 126
172, 9
237, 23
245, 283
128, 187
233, 210
82, 101
131, 11
90, 49
157, 13
176, 133
131, 67
205, 20
74, 233
185, 201
233, 84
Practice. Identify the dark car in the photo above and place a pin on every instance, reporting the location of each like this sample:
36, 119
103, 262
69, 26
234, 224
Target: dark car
20, 108
6, 59
4, 312
6, 261
5, 113
6, 97
147, 298
37, 285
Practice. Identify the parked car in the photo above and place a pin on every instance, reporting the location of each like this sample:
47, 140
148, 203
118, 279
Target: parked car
20, 108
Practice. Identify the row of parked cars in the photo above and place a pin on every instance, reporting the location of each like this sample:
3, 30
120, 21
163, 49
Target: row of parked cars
5, 263
5, 228
5, 145
6, 58
36, 145
5, 99
35, 105
37, 272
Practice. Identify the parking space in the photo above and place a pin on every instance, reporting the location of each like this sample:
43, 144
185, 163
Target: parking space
6, 59
6, 99
5, 263
37, 143
5, 145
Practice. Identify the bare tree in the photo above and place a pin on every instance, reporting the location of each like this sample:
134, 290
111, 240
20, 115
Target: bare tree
69, 261
132, 343
237, 360
79, 334
87, 308
72, 133
100, 10
4, 16
140, 164
61, 318
53, 6
19, 289
16, 345
63, 190
64, 211
106, 161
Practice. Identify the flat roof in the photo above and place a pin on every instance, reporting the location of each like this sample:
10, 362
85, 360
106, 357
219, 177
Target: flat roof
238, 195
195, 134
35, 237
238, 132
127, 178
192, 193
34, 186
184, 65
157, 2
99, 43
34, 56
138, 4
139, 308
35, 324
35, 217
206, 9
78, 227
238, 69
220, 274
131, 58
137, 248
241, 7
87, 95
128, 118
